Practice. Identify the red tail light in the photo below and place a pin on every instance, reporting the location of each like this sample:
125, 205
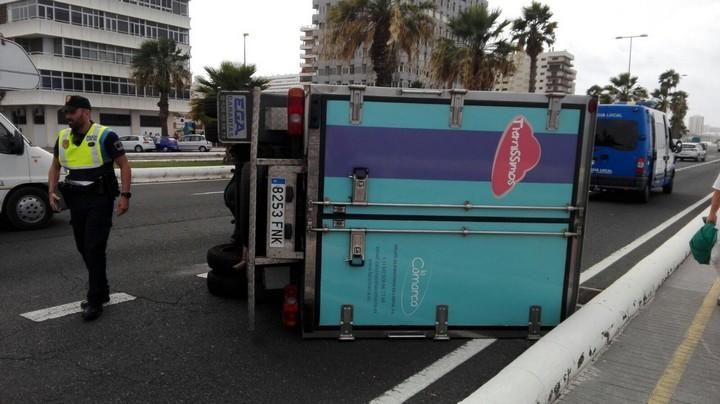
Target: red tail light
593, 105
290, 307
296, 111
640, 167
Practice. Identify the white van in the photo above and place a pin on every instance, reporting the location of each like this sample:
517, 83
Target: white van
23, 180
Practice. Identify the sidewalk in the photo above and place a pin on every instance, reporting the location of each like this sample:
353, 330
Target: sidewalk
670, 353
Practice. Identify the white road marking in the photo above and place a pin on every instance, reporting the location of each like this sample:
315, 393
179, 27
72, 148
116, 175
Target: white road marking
697, 165
202, 275
178, 182
419, 381
71, 308
617, 255
208, 193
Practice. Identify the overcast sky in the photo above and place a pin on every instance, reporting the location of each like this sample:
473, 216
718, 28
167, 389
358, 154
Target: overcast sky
683, 35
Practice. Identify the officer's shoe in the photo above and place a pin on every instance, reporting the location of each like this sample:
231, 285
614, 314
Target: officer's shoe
92, 312
84, 303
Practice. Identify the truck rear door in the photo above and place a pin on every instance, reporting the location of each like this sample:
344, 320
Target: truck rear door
440, 213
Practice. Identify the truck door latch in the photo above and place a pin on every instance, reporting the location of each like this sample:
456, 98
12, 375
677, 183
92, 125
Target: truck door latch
357, 249
457, 103
359, 180
356, 103
554, 108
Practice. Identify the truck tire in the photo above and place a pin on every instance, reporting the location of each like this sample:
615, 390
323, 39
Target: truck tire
644, 195
224, 257
668, 188
28, 208
227, 284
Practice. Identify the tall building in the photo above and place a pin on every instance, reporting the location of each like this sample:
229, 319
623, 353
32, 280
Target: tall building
696, 126
555, 74
86, 47
283, 82
317, 68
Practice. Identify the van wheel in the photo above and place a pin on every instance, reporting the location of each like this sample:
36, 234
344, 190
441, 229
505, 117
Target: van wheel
668, 188
28, 208
644, 195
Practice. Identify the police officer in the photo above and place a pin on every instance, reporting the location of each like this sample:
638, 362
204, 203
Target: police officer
88, 150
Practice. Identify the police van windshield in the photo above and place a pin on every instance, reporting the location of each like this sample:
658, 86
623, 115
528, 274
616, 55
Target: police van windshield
616, 133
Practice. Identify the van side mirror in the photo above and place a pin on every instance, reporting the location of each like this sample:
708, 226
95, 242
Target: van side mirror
17, 145
677, 146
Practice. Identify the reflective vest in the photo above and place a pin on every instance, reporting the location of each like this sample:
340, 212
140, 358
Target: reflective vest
87, 154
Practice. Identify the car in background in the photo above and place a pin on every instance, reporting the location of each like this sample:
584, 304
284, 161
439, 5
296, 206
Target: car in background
167, 143
692, 151
194, 143
137, 143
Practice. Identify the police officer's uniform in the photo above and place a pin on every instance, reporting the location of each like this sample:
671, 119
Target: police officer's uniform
89, 191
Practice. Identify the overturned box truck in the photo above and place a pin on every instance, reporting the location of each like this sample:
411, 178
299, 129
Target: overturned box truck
401, 213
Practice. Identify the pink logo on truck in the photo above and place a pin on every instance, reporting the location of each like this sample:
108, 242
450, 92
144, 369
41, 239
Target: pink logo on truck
517, 154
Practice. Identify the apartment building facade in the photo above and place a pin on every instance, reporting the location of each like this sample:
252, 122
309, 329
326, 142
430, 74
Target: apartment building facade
555, 74
316, 67
86, 47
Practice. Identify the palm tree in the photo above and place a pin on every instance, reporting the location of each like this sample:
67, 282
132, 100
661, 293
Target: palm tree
532, 32
476, 54
161, 65
228, 76
602, 93
626, 88
668, 80
679, 108
387, 27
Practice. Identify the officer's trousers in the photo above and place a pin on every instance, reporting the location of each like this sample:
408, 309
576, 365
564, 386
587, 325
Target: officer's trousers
91, 219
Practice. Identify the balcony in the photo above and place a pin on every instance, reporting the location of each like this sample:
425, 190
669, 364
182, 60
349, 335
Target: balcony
316, 4
307, 74
307, 56
307, 47
316, 19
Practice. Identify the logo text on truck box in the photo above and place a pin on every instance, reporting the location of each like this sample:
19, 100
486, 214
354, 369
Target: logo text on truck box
517, 154
415, 286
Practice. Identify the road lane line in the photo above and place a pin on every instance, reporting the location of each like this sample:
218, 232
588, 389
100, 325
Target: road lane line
668, 382
617, 255
71, 308
207, 193
140, 184
419, 381
696, 165
202, 275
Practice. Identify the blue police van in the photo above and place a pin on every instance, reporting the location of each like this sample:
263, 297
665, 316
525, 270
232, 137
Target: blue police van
633, 151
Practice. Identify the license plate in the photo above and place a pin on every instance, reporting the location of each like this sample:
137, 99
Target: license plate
276, 199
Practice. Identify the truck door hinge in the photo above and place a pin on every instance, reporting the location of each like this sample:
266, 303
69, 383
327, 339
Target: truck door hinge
359, 182
441, 323
534, 323
357, 248
457, 103
356, 103
346, 323
554, 108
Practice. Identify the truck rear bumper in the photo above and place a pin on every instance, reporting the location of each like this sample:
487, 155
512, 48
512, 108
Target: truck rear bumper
598, 182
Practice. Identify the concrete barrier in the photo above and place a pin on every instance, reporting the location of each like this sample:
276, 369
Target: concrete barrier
211, 155
168, 174
542, 373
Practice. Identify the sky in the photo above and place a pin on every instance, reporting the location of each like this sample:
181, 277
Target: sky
682, 35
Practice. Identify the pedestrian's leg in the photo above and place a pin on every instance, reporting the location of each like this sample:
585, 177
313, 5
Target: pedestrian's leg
97, 231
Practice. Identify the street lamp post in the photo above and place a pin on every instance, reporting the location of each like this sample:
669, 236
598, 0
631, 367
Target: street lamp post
245, 35
630, 37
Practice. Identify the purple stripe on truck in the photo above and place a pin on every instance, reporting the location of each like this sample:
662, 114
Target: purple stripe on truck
437, 155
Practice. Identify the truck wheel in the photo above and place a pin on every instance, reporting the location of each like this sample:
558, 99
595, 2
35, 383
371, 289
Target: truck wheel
668, 188
644, 195
224, 257
227, 284
28, 208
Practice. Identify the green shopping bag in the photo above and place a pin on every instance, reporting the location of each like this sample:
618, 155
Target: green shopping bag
702, 243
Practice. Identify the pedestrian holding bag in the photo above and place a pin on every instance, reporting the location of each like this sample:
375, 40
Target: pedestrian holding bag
702, 243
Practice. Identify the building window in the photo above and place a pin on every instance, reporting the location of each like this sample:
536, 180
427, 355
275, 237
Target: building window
339, 69
39, 116
352, 69
98, 19
152, 121
115, 119
19, 117
364, 69
90, 83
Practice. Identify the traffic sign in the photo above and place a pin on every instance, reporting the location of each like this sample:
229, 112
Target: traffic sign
234, 116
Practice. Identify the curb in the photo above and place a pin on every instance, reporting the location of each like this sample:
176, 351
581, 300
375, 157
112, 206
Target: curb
172, 174
211, 155
541, 374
